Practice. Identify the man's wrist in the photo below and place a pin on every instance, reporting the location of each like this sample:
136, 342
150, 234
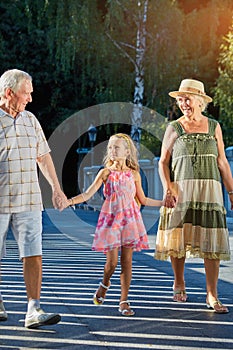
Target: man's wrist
56, 188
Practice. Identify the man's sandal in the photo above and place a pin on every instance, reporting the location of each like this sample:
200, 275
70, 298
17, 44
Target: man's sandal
180, 296
125, 311
100, 300
217, 306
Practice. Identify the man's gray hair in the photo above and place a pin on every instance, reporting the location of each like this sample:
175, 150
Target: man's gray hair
12, 79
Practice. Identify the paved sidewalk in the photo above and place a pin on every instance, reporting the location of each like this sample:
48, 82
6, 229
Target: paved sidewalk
70, 277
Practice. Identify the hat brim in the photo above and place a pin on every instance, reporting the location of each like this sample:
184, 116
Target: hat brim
174, 94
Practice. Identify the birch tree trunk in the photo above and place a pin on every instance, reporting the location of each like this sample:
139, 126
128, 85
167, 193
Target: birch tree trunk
139, 71
140, 19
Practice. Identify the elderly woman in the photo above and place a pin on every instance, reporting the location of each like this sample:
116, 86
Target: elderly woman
193, 219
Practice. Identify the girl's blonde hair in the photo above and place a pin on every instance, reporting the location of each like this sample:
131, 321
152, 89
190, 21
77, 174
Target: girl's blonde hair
132, 159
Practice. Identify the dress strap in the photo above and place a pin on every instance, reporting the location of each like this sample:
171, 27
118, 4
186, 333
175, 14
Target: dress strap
212, 126
178, 127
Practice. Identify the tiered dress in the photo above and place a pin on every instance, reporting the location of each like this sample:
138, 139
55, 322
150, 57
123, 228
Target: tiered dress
120, 221
196, 227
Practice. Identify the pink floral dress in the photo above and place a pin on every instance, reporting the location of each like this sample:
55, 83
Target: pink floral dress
120, 221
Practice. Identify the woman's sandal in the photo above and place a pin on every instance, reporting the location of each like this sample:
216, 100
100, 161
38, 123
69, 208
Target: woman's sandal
124, 311
180, 296
217, 306
100, 300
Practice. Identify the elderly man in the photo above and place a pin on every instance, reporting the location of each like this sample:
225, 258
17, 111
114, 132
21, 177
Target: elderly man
22, 147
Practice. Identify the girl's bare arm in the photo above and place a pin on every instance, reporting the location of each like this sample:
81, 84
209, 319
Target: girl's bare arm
140, 193
83, 197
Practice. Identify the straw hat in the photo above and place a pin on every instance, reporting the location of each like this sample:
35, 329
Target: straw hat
191, 86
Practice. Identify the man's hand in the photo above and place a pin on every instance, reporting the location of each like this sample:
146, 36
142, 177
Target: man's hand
59, 200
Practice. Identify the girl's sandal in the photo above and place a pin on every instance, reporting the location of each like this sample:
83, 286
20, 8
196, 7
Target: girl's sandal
217, 306
100, 300
125, 311
180, 296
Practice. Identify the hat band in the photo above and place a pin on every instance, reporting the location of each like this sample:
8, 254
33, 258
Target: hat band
193, 90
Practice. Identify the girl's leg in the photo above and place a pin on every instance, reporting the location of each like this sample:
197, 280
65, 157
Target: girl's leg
179, 283
212, 272
109, 268
126, 274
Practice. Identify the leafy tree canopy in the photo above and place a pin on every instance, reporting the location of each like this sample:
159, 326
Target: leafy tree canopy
66, 46
223, 91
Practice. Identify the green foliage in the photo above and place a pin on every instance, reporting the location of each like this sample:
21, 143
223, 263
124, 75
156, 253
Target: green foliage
67, 46
164, 49
223, 91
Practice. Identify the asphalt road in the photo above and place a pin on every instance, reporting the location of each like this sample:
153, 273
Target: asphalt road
71, 275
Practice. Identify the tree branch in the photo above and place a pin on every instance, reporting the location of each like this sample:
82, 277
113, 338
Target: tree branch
121, 49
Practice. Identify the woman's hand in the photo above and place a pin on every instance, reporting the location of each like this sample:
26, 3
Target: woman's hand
169, 200
231, 200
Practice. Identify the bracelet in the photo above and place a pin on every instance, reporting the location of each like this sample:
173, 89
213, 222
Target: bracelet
72, 202
230, 192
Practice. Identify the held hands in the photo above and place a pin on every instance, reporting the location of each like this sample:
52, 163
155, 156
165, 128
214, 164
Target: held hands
70, 203
67, 203
59, 200
169, 200
231, 199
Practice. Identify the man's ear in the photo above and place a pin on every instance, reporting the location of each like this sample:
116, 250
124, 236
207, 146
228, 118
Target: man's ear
9, 93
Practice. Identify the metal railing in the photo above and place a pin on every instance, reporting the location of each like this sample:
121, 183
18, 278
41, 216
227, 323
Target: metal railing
151, 182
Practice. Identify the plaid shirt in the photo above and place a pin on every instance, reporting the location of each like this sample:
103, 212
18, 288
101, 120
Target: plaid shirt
22, 141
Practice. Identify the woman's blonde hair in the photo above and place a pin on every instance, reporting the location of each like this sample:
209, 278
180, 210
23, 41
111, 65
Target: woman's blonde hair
132, 159
203, 103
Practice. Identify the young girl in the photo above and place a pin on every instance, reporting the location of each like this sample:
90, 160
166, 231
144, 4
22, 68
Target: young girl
120, 225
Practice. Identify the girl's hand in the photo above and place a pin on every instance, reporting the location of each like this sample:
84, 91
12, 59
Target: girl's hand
69, 203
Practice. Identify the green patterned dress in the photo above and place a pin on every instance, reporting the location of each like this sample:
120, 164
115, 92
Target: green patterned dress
196, 227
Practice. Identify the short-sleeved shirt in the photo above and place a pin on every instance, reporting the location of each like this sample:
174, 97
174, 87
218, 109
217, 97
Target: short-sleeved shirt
22, 141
